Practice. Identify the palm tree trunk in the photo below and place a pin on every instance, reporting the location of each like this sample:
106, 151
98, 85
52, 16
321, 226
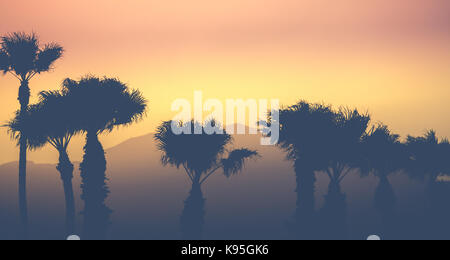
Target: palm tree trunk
385, 202
193, 216
23, 188
334, 213
305, 212
24, 99
432, 207
94, 189
65, 168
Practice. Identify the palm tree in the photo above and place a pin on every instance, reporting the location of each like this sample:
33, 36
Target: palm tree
51, 121
201, 156
424, 152
22, 57
60, 130
342, 153
318, 138
384, 154
103, 104
304, 131
428, 161
343, 150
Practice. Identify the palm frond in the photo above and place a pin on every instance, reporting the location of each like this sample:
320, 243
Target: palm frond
52, 120
428, 155
103, 104
22, 50
68, 85
133, 108
431, 137
235, 161
26, 126
46, 57
199, 153
4, 62
382, 151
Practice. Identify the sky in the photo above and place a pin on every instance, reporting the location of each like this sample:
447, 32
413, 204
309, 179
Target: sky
391, 58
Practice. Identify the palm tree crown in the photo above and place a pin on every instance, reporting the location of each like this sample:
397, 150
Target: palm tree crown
383, 152
320, 135
428, 154
22, 56
104, 103
201, 155
304, 129
49, 121
27, 125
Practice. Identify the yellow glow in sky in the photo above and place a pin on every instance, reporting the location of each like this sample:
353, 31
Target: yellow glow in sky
391, 58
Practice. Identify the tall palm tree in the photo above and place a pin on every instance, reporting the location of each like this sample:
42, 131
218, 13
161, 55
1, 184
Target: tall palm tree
201, 156
23, 57
51, 121
103, 104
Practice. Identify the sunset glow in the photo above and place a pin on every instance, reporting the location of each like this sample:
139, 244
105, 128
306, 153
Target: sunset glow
391, 58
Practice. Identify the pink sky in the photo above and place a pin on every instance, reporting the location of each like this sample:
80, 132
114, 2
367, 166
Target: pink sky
391, 57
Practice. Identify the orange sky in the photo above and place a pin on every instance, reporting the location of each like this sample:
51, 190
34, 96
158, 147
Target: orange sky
389, 57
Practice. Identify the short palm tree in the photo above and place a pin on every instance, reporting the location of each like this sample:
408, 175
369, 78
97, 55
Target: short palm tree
429, 159
201, 156
343, 155
102, 104
383, 154
425, 156
22, 57
304, 130
51, 121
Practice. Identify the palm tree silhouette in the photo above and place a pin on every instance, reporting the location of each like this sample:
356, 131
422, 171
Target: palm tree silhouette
22, 57
345, 137
103, 104
384, 154
304, 129
425, 154
201, 156
318, 138
51, 121
343, 154
429, 160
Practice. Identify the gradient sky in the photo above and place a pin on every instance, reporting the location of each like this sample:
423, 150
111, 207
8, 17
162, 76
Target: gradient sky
391, 58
